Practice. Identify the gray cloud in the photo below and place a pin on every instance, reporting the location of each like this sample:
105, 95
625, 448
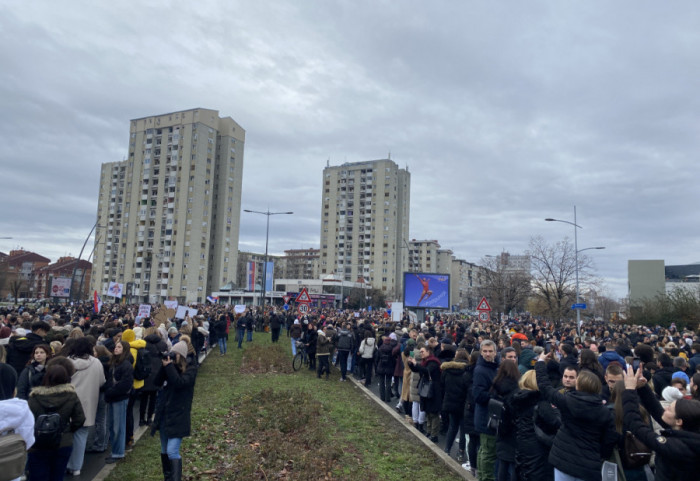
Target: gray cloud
504, 113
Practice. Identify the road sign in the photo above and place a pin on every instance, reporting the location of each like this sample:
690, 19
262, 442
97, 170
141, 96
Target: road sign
303, 296
578, 306
484, 316
303, 308
285, 307
286, 299
483, 305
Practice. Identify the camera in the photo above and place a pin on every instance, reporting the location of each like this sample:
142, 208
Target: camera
167, 355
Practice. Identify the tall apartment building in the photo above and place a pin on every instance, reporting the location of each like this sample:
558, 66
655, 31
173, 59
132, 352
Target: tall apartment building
427, 256
168, 216
364, 223
302, 263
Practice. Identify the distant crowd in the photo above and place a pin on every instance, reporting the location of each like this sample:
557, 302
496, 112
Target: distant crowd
522, 399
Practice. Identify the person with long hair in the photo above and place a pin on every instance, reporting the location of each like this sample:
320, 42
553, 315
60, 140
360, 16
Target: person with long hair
677, 446
118, 387
429, 370
33, 374
631, 474
177, 375
536, 423
55, 395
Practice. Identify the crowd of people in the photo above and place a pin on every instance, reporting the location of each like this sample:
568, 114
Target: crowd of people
521, 399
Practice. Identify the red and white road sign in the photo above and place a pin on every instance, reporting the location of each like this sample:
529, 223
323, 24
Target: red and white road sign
286, 299
303, 308
303, 296
483, 305
484, 316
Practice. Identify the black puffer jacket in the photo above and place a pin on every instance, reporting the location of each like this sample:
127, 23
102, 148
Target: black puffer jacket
429, 369
30, 377
155, 345
119, 381
19, 350
587, 435
468, 420
454, 386
505, 438
662, 379
677, 451
173, 409
531, 455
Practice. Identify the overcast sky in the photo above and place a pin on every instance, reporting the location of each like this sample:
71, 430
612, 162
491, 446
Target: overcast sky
504, 112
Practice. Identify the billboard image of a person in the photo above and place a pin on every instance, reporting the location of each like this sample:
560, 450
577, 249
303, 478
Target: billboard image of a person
425, 282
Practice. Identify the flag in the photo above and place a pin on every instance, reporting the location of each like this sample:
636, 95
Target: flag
97, 303
212, 299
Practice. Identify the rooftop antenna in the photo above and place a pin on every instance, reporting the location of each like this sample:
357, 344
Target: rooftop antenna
389, 155
328, 162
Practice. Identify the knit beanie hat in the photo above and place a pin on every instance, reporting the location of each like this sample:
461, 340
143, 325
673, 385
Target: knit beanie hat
180, 348
671, 393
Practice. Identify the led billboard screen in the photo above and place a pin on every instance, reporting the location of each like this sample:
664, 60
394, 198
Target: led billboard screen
427, 291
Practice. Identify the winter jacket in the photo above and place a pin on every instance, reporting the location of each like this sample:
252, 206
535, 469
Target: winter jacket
30, 377
367, 347
136, 347
406, 386
531, 454
454, 386
155, 347
587, 429
119, 381
295, 331
415, 377
172, 417
20, 349
505, 438
677, 451
323, 345
567, 362
429, 369
662, 379
88, 378
693, 363
484, 373
63, 400
398, 363
611, 356
468, 419
310, 340
386, 360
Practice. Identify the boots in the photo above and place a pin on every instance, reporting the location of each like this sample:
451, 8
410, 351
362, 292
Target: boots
167, 468
176, 467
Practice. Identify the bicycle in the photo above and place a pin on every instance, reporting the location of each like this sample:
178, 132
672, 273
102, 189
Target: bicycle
301, 358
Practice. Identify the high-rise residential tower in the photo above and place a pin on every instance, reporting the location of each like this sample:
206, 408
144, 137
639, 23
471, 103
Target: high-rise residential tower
168, 216
364, 223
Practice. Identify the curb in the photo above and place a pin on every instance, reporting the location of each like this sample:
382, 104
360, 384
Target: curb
448, 460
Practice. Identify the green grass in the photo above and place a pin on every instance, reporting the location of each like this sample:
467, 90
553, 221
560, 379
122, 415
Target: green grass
254, 418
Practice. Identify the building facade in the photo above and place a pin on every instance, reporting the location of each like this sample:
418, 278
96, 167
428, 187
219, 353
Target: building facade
19, 271
79, 271
168, 216
302, 263
364, 223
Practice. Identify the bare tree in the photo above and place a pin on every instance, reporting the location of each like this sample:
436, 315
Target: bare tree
507, 288
554, 276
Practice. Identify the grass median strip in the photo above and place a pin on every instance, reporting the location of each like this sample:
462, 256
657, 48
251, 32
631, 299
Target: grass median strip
254, 418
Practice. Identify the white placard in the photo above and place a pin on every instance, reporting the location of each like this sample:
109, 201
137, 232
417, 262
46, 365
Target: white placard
170, 304
144, 310
115, 289
239, 308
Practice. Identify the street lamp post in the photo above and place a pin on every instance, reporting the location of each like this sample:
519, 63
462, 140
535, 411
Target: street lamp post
576, 251
267, 237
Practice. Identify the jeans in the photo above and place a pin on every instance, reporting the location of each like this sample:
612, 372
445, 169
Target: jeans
506, 471
48, 464
241, 333
343, 360
455, 426
75, 463
99, 436
559, 476
385, 387
294, 346
222, 345
367, 367
116, 420
170, 446
250, 336
486, 457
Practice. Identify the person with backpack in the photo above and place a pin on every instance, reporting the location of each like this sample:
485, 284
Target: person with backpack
384, 368
177, 375
57, 413
119, 383
345, 347
141, 362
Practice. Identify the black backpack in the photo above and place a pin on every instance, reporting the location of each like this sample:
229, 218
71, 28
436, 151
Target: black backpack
385, 359
142, 369
345, 340
48, 430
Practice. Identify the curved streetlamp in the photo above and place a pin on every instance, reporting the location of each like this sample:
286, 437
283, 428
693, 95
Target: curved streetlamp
267, 237
576, 226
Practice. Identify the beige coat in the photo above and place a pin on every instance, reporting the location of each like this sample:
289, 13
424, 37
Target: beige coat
88, 378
